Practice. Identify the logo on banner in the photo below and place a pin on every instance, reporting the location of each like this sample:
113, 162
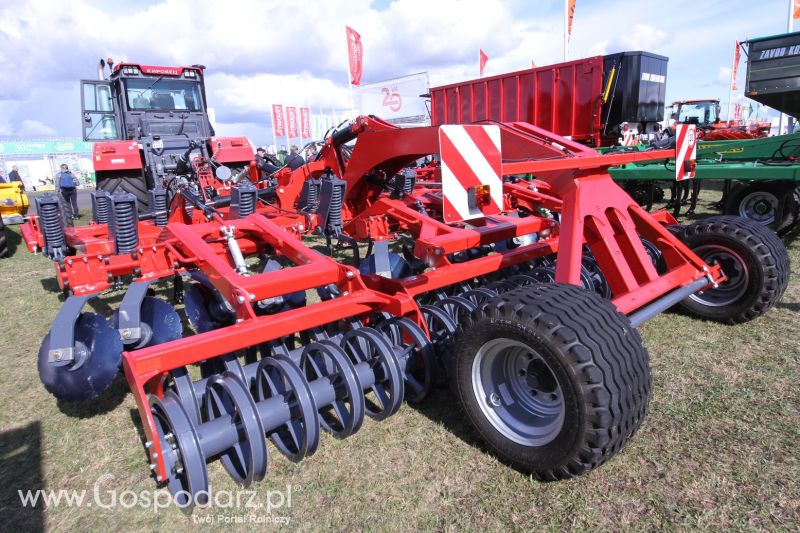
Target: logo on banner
685, 152
277, 120
355, 53
392, 99
291, 121
472, 170
305, 123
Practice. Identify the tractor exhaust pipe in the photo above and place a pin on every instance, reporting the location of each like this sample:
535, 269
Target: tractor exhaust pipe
101, 73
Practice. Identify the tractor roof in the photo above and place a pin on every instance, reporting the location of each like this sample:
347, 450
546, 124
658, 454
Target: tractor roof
159, 70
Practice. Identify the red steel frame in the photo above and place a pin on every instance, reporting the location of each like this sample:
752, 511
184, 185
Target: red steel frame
570, 179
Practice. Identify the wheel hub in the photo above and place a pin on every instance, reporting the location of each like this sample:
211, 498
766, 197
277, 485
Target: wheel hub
735, 270
518, 392
759, 206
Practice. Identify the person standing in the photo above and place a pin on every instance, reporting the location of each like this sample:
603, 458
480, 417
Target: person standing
67, 186
294, 160
14, 176
266, 167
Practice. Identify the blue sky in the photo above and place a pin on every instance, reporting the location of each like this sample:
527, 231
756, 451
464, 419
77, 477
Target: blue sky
262, 52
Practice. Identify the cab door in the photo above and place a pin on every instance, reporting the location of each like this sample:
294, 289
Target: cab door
97, 109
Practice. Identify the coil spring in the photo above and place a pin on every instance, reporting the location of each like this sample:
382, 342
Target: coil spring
409, 181
312, 200
247, 201
158, 201
52, 225
335, 208
101, 207
126, 231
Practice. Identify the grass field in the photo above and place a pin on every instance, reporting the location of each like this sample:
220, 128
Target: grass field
719, 448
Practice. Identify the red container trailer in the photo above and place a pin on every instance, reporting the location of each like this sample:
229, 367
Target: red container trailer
587, 100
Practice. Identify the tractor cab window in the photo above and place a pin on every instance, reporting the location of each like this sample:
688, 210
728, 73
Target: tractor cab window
698, 113
99, 121
162, 94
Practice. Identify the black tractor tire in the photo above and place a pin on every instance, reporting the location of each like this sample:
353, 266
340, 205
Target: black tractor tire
582, 356
3, 240
761, 202
753, 258
121, 182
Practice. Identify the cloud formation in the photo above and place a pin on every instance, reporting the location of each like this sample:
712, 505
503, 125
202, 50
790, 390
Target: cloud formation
293, 52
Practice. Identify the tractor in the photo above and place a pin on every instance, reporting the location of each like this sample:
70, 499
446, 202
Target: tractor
148, 124
705, 114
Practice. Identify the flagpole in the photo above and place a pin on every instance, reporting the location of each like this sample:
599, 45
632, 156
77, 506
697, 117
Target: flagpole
566, 35
730, 86
789, 25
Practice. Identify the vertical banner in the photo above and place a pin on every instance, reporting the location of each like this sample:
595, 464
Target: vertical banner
277, 120
291, 122
482, 59
570, 16
355, 54
305, 123
737, 55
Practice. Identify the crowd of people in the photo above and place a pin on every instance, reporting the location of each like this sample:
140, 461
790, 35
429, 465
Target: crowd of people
269, 164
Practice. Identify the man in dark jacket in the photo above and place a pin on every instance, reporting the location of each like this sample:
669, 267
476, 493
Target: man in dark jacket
14, 176
68, 187
294, 160
264, 164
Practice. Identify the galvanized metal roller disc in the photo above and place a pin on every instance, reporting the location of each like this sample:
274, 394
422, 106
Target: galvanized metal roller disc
184, 388
479, 296
415, 353
245, 461
297, 437
97, 352
365, 345
521, 280
187, 476
457, 307
326, 360
499, 286
442, 330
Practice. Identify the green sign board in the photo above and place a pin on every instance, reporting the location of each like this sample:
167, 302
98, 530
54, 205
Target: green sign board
10, 148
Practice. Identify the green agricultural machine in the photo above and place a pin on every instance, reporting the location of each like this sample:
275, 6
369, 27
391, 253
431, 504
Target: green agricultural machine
760, 176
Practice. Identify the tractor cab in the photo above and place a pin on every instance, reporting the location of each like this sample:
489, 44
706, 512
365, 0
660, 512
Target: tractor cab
701, 113
138, 101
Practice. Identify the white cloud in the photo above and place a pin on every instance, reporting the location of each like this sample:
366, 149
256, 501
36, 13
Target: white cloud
640, 37
724, 75
34, 128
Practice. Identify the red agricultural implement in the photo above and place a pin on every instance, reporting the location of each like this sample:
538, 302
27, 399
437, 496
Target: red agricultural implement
526, 299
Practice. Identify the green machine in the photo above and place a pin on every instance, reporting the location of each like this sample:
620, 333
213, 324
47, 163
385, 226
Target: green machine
760, 176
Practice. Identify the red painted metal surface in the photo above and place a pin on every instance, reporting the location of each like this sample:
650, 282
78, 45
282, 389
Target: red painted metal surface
562, 98
116, 155
571, 179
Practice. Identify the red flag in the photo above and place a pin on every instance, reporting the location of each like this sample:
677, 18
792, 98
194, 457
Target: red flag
737, 55
277, 120
291, 122
355, 53
570, 15
796, 10
305, 123
482, 59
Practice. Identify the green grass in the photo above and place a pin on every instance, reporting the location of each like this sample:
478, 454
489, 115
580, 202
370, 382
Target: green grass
718, 449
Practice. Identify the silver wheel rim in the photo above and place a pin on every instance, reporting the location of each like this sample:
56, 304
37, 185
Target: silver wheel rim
734, 268
517, 392
759, 206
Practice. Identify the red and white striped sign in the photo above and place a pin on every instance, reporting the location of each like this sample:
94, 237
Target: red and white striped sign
472, 167
685, 151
